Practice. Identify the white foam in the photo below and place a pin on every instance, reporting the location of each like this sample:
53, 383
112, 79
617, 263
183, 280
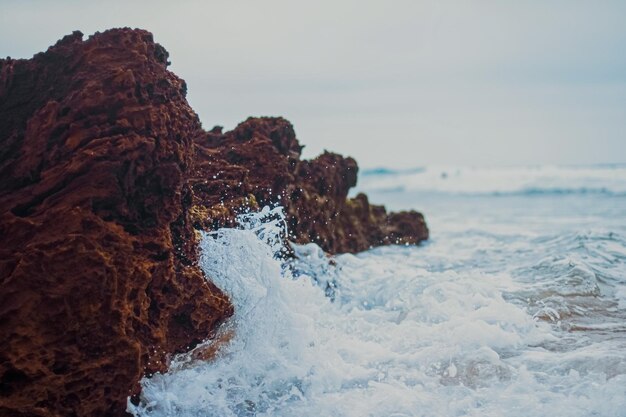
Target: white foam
505, 180
402, 338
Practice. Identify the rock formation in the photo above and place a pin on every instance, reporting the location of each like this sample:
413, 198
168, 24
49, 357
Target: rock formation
258, 163
105, 173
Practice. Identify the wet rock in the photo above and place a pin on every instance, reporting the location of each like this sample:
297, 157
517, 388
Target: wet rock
258, 163
106, 175
98, 283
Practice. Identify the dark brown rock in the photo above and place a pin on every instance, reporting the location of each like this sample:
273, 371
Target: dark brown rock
105, 174
96, 144
258, 163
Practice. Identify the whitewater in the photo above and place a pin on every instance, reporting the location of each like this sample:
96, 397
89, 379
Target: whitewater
516, 306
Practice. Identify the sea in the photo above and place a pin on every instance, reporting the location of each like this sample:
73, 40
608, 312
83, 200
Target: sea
515, 306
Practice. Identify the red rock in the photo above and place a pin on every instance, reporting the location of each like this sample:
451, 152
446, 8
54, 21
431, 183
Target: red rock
259, 162
96, 144
106, 174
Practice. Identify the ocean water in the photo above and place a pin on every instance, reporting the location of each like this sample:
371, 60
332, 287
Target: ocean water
516, 306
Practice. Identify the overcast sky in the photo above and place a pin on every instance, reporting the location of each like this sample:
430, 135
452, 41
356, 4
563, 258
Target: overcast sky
392, 83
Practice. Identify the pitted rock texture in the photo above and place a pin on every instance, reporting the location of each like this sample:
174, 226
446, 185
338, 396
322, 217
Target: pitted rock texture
259, 163
105, 176
96, 143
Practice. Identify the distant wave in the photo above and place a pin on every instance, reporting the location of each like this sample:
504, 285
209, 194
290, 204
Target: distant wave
560, 191
535, 180
389, 171
522, 192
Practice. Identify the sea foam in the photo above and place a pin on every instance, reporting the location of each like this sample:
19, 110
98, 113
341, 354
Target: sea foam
397, 331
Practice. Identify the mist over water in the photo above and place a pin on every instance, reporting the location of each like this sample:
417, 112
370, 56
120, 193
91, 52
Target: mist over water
516, 306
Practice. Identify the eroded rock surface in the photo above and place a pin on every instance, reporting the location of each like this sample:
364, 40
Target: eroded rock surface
259, 163
105, 173
96, 145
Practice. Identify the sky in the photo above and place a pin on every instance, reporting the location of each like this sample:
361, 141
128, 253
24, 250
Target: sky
392, 83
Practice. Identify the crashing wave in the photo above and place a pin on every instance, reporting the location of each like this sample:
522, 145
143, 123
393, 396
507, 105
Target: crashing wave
403, 337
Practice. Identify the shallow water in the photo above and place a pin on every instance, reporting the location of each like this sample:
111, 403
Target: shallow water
516, 306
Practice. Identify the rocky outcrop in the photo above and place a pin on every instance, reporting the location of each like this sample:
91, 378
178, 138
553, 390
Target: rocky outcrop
105, 175
96, 288
258, 163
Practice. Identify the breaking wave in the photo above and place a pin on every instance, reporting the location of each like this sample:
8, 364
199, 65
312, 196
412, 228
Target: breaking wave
470, 324
602, 179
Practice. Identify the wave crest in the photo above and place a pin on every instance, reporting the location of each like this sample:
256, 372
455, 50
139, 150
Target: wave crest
604, 180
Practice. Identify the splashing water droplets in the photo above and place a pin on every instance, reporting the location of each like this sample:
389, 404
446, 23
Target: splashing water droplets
392, 331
